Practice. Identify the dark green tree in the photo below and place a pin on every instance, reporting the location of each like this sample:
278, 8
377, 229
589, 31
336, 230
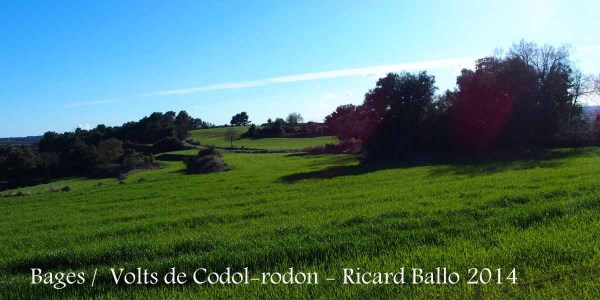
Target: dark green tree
252, 131
294, 118
183, 125
398, 107
110, 151
347, 121
20, 159
240, 119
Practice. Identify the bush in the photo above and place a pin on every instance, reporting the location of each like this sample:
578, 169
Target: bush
193, 142
56, 189
110, 150
208, 160
19, 159
251, 131
168, 144
134, 161
16, 194
137, 147
47, 160
210, 150
79, 156
345, 146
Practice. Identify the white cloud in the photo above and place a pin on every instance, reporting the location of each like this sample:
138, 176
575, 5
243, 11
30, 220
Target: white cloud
90, 103
368, 71
375, 76
84, 126
213, 87
591, 99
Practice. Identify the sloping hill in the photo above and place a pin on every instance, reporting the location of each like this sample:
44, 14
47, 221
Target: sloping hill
591, 111
18, 141
216, 137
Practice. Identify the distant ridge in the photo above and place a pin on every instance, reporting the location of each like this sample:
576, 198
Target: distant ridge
18, 141
591, 111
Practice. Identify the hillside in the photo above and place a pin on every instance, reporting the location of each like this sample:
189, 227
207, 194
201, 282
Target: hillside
18, 141
591, 111
322, 213
216, 137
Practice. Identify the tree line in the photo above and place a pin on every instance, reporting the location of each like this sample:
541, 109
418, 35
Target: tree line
529, 97
291, 126
101, 151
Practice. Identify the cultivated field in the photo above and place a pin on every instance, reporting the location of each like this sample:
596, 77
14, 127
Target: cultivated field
318, 214
216, 137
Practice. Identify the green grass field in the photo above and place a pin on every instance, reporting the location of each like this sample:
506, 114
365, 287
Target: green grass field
216, 137
317, 214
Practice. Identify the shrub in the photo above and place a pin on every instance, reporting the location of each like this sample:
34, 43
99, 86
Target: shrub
251, 131
110, 150
135, 161
137, 147
20, 159
210, 150
168, 144
78, 156
16, 194
47, 160
345, 146
193, 142
56, 189
208, 160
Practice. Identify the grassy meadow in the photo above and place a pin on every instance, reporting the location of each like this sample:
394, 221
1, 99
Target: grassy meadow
317, 213
216, 137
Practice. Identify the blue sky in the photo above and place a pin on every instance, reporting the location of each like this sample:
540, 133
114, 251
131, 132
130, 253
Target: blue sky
65, 64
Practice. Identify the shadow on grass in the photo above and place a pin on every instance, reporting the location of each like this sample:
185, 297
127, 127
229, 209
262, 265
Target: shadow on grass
172, 157
446, 164
338, 159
